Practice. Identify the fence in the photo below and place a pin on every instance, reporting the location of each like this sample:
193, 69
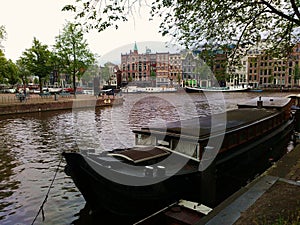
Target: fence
33, 98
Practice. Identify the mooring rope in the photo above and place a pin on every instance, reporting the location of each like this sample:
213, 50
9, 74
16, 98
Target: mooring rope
46, 197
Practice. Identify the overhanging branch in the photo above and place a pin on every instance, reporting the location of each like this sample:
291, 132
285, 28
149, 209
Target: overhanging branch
279, 13
296, 10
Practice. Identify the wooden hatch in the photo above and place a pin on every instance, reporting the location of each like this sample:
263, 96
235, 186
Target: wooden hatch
141, 154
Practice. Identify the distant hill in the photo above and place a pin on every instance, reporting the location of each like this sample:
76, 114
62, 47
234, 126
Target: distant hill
114, 56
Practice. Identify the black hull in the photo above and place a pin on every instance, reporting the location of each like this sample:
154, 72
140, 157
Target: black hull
193, 90
232, 170
128, 201
236, 170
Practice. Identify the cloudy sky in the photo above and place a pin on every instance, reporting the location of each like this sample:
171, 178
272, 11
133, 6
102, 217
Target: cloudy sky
44, 19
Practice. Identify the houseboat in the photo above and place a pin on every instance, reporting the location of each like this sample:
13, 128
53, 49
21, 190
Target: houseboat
216, 89
138, 90
182, 160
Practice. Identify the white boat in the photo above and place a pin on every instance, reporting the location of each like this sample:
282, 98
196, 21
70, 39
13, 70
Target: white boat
136, 90
54, 90
217, 89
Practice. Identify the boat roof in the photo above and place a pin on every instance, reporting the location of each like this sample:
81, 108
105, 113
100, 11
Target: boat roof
267, 102
201, 127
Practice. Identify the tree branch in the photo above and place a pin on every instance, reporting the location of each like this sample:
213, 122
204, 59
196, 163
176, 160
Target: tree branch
245, 28
279, 13
296, 10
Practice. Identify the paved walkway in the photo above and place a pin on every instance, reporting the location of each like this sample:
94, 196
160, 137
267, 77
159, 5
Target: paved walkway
272, 197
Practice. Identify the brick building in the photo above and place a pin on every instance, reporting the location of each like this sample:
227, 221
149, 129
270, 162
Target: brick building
186, 68
150, 69
136, 67
267, 71
175, 69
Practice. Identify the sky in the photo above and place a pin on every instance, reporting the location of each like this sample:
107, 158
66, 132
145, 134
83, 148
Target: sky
43, 19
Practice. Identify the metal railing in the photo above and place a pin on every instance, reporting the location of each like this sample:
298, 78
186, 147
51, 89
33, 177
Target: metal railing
7, 99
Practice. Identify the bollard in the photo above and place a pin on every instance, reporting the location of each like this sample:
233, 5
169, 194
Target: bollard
259, 103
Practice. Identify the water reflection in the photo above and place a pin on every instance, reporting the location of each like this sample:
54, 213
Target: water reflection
30, 150
31, 146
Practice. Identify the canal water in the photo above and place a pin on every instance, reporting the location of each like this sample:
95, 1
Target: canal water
31, 147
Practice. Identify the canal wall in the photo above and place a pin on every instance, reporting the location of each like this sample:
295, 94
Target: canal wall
271, 196
64, 104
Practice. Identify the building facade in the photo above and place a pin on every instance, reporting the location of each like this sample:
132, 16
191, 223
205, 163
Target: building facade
256, 69
175, 69
146, 69
264, 70
136, 67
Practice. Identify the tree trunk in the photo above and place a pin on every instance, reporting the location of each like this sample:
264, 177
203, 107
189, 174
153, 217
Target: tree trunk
74, 83
40, 84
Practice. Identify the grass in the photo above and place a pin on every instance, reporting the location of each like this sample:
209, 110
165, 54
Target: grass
287, 219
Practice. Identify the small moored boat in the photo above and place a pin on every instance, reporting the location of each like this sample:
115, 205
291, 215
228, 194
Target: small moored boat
137, 90
216, 89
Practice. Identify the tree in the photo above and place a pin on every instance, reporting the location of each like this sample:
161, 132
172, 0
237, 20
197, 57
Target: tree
271, 79
8, 71
92, 72
215, 22
12, 72
105, 72
178, 80
203, 71
73, 52
296, 73
152, 75
2, 35
23, 72
36, 60
3, 62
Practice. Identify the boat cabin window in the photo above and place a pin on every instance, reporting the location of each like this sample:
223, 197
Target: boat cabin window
258, 129
186, 148
232, 140
243, 136
251, 132
150, 140
143, 139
